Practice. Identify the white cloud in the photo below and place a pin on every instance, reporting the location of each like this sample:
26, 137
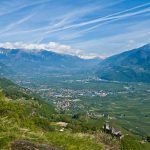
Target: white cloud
137, 36
91, 56
13, 6
14, 24
115, 16
66, 22
51, 46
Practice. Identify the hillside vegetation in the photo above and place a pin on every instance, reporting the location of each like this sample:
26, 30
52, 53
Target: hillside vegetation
24, 116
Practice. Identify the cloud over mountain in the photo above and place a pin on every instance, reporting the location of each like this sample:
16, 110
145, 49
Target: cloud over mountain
51, 46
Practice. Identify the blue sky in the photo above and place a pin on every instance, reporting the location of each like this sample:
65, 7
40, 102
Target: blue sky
83, 27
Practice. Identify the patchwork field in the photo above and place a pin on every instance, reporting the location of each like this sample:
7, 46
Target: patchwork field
125, 105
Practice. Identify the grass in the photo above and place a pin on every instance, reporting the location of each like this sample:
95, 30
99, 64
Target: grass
16, 123
67, 140
72, 141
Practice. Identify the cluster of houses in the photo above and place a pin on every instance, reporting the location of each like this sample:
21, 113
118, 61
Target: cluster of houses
69, 93
62, 105
115, 132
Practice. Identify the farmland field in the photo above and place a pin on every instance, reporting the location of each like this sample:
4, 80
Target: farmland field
124, 105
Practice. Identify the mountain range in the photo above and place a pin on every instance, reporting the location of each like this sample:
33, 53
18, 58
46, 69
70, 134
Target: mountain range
43, 61
129, 66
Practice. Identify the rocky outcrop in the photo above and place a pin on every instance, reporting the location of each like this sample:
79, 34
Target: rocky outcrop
26, 145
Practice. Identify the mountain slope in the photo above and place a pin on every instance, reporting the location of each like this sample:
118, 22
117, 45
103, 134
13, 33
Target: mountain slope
29, 123
43, 61
4, 70
131, 66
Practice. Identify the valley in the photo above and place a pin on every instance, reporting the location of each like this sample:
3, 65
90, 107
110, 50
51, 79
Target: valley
120, 103
74, 75
52, 93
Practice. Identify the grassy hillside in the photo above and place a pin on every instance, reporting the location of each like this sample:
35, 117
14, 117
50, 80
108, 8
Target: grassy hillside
22, 120
25, 116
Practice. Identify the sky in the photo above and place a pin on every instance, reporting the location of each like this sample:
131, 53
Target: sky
86, 28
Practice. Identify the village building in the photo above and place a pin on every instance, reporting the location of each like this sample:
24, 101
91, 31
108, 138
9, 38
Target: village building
107, 128
115, 132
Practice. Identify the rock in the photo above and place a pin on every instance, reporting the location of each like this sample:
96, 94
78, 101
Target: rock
27, 145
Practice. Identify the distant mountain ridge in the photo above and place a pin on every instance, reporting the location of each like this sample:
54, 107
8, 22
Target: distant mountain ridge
43, 61
130, 66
